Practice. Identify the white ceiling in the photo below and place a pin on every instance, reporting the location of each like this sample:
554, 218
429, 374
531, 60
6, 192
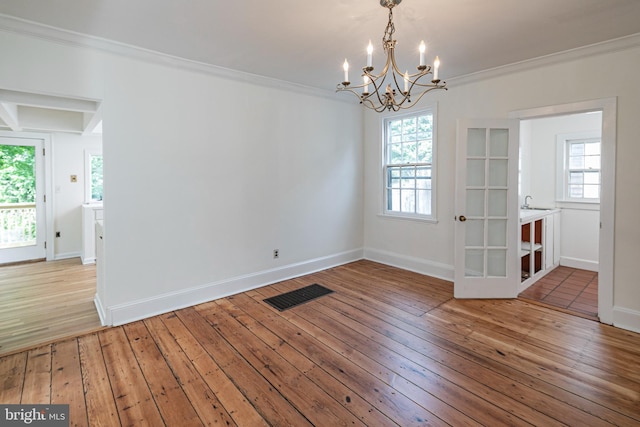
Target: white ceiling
305, 42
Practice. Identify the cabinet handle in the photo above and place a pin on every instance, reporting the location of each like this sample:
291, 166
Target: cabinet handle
462, 218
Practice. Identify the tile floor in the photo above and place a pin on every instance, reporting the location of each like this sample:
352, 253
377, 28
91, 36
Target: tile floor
568, 288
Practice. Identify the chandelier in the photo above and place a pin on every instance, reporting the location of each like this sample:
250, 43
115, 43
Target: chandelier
397, 94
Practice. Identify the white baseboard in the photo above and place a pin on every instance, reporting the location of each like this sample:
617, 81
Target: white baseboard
582, 264
67, 255
141, 309
101, 311
417, 265
625, 318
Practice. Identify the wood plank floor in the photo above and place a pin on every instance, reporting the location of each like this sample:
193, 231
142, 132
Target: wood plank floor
44, 301
388, 347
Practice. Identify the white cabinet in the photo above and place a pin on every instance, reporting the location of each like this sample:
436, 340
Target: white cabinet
91, 212
539, 244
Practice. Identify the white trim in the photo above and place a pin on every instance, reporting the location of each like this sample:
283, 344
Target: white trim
48, 183
582, 264
626, 319
608, 106
68, 255
88, 154
431, 108
102, 313
562, 145
417, 265
129, 312
46, 32
609, 46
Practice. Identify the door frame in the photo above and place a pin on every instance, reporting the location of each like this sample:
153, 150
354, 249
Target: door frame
48, 183
606, 256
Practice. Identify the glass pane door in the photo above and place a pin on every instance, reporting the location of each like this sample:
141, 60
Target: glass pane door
21, 200
486, 223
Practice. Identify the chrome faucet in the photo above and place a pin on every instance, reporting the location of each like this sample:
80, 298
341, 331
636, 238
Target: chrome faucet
526, 202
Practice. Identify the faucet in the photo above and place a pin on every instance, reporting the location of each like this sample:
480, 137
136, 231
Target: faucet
526, 203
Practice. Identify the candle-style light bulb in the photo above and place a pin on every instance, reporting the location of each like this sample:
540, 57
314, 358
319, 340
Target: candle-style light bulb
423, 49
406, 81
369, 54
366, 85
436, 65
345, 66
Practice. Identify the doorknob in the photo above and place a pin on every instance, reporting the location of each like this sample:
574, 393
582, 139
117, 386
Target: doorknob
462, 218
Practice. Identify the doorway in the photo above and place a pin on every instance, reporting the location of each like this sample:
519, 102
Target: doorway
22, 200
560, 171
605, 224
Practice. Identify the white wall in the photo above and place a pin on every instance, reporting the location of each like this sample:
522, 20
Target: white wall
69, 159
580, 221
429, 248
204, 176
245, 169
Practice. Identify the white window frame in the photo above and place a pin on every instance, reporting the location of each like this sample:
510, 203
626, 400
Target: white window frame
432, 217
88, 154
563, 142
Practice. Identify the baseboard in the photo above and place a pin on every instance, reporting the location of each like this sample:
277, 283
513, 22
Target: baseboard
582, 264
625, 318
102, 314
417, 265
141, 309
67, 255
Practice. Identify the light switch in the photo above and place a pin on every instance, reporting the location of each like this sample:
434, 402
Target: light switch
74, 178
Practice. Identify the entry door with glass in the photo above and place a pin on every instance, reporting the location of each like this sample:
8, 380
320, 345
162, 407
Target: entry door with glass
486, 218
22, 213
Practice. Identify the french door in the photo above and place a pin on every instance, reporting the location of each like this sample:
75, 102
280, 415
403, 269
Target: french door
22, 210
486, 215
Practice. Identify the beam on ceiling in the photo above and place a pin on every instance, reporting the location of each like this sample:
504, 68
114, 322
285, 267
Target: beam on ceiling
48, 101
9, 113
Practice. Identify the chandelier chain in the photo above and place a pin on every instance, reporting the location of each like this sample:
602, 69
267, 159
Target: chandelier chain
388, 32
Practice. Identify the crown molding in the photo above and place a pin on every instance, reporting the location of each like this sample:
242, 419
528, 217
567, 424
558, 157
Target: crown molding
65, 37
29, 28
609, 46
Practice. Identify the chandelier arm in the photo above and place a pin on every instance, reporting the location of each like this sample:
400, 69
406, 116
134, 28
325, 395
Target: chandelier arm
389, 98
424, 93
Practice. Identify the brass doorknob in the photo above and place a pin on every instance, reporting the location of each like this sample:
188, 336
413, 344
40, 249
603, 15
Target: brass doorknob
462, 218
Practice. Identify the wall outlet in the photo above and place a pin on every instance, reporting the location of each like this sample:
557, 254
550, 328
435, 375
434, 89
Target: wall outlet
276, 253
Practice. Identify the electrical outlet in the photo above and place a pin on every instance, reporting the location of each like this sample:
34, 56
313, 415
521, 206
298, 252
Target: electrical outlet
276, 253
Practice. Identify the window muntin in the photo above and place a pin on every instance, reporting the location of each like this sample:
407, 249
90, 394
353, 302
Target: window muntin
582, 170
409, 165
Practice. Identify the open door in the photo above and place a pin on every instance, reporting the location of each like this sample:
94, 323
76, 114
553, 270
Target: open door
486, 203
22, 213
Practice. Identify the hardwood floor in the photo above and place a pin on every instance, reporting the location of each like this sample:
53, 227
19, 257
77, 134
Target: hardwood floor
45, 301
388, 347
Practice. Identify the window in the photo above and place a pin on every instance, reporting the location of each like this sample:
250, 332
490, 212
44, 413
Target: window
582, 170
93, 176
409, 153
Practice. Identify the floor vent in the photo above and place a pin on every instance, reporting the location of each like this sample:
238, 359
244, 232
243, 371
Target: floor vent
297, 297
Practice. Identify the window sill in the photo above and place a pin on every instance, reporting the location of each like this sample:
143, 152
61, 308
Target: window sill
578, 205
401, 217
